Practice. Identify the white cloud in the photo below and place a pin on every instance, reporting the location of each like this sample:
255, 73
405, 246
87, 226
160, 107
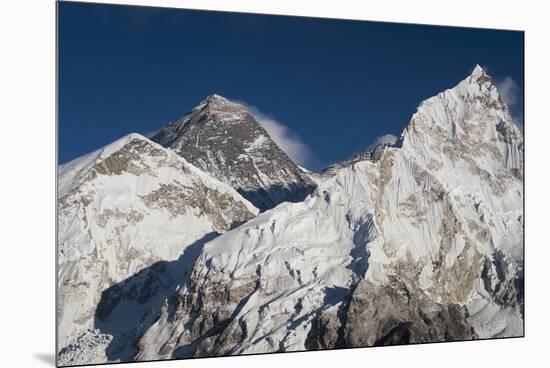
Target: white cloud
386, 138
509, 91
285, 138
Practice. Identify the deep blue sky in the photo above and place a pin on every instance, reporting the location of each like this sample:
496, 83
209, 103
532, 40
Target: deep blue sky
336, 84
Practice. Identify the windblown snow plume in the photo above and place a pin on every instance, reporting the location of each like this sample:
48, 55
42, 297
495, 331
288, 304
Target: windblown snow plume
509, 92
383, 139
287, 140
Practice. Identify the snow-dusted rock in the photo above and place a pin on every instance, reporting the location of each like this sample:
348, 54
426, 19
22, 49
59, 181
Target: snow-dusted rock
222, 138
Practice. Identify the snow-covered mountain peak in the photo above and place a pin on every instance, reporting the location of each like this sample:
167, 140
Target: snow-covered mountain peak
458, 116
476, 85
222, 138
219, 106
215, 98
477, 72
104, 151
468, 125
71, 171
121, 209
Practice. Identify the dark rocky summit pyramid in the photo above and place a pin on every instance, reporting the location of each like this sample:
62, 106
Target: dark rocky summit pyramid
223, 138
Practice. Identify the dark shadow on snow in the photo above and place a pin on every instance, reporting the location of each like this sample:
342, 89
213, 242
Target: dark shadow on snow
127, 309
335, 295
276, 194
362, 236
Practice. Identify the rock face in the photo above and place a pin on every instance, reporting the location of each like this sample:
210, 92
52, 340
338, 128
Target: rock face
419, 241
128, 210
222, 138
422, 243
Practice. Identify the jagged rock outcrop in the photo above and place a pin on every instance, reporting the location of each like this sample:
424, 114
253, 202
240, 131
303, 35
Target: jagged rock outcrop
408, 316
222, 138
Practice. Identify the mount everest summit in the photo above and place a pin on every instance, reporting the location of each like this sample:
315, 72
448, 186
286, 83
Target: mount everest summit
222, 138
205, 239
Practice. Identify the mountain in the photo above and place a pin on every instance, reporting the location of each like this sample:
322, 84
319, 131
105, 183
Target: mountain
416, 241
421, 243
222, 138
127, 210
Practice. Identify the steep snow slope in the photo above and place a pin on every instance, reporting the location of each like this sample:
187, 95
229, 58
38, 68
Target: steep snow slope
121, 209
222, 138
419, 242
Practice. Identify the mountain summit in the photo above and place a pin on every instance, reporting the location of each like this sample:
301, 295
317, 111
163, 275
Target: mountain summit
122, 209
420, 241
222, 138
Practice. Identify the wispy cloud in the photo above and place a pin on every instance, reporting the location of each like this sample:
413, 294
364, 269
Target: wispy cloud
283, 136
509, 92
383, 139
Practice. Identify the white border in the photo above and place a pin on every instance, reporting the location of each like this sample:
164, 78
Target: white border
27, 153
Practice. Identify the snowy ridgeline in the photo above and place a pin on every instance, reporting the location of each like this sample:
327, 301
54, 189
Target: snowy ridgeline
418, 241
